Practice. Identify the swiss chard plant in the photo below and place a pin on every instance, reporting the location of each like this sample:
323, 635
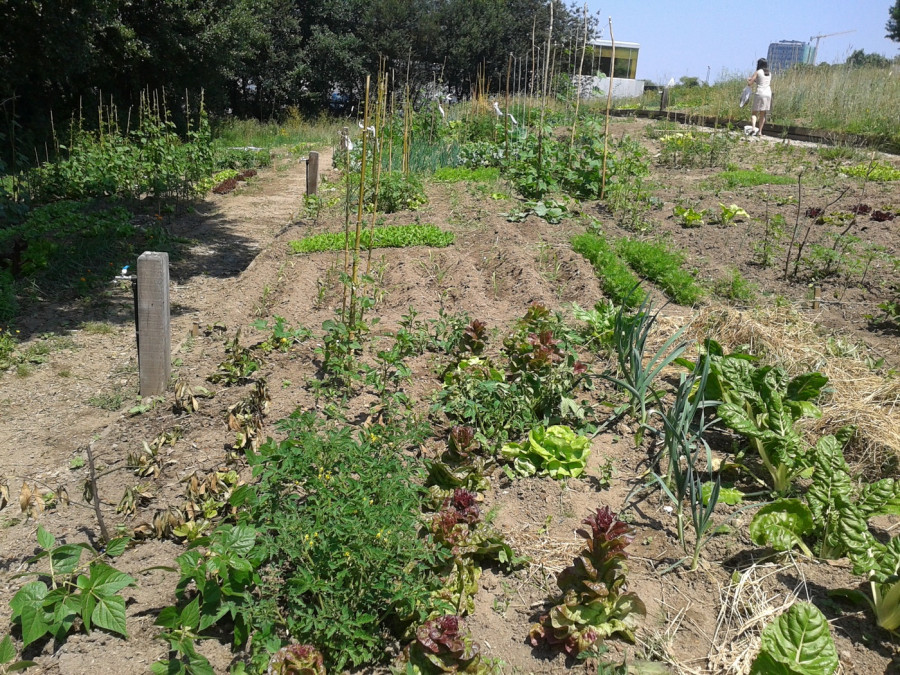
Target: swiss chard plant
595, 602
832, 518
763, 404
71, 592
798, 642
880, 563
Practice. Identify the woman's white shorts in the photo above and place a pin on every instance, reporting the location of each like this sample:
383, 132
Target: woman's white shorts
761, 103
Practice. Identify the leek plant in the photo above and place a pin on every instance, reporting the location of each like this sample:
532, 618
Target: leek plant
683, 443
630, 340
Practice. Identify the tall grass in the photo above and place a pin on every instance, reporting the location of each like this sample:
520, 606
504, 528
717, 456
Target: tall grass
843, 99
294, 131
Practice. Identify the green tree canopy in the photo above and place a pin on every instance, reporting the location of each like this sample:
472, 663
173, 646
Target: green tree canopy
893, 24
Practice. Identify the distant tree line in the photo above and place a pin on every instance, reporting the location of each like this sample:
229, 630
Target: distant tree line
253, 57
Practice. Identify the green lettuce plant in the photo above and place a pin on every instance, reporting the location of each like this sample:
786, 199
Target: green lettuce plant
798, 642
595, 602
556, 451
688, 217
729, 214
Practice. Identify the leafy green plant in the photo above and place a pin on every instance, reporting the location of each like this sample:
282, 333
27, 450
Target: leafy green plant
688, 217
393, 236
595, 602
219, 574
798, 642
459, 174
835, 514
732, 213
557, 451
548, 209
342, 563
297, 660
71, 590
763, 404
874, 171
600, 323
751, 178
617, 281
663, 266
881, 565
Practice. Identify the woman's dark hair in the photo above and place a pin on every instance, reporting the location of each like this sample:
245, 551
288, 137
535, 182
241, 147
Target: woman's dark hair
763, 65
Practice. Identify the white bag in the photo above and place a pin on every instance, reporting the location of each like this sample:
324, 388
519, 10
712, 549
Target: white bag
745, 95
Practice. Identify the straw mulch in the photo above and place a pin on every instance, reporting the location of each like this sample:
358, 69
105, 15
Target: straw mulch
857, 394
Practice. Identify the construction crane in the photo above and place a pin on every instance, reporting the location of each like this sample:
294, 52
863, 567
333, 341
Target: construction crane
819, 37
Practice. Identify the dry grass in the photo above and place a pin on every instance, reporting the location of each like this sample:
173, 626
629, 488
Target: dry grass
857, 394
747, 606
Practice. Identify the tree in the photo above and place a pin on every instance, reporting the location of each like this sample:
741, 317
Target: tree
893, 24
859, 59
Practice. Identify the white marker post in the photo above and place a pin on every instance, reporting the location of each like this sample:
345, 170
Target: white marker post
153, 323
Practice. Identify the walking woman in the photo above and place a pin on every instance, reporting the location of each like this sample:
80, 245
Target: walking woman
762, 100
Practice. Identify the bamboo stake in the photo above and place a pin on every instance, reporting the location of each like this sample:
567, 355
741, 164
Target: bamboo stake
612, 70
379, 144
506, 116
359, 210
544, 100
578, 89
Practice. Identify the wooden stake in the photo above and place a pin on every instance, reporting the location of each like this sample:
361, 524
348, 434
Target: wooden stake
312, 173
154, 336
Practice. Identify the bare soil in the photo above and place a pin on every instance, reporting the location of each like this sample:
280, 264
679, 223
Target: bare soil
237, 269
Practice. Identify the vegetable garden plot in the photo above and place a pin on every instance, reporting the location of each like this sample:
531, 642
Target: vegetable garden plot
403, 397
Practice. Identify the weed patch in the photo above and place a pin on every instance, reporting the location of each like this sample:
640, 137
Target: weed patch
395, 236
616, 279
663, 267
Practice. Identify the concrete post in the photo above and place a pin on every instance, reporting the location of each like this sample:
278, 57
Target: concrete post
154, 336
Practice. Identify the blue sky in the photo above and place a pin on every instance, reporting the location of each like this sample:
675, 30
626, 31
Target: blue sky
683, 37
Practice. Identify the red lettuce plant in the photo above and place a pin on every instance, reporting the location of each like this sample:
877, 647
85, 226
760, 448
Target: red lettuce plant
443, 645
594, 603
880, 216
296, 660
462, 442
474, 337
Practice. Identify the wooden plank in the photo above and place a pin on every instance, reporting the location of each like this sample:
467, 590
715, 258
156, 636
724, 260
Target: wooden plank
312, 173
154, 330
